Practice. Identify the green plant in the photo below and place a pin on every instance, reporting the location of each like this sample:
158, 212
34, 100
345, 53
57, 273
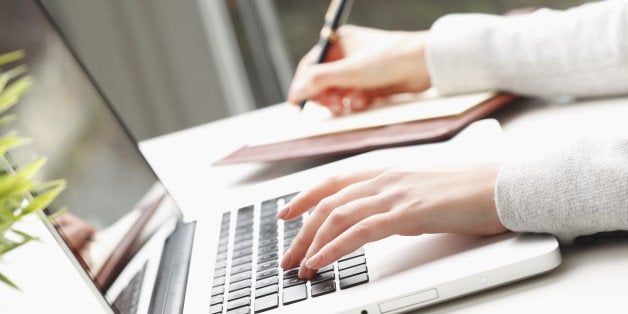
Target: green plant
20, 193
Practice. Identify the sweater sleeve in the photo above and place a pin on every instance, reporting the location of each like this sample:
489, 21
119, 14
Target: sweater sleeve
575, 190
578, 52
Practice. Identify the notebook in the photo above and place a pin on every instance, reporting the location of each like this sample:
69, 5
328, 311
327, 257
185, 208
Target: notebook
221, 255
313, 133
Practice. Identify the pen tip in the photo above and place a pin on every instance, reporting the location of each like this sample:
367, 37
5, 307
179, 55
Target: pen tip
302, 104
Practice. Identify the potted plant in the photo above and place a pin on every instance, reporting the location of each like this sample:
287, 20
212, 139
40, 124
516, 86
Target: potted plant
21, 194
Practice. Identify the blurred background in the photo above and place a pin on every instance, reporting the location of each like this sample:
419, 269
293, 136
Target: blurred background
169, 65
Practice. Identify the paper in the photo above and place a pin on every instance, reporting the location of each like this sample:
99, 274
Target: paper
317, 120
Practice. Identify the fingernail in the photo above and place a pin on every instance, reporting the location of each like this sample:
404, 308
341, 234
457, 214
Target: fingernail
302, 269
336, 109
286, 260
346, 102
283, 212
311, 273
314, 261
357, 103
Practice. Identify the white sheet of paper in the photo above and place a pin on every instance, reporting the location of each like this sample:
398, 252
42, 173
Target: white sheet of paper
318, 120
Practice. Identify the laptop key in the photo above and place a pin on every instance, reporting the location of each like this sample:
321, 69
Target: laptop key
239, 285
241, 260
294, 294
242, 252
221, 264
222, 249
356, 253
269, 234
326, 268
266, 282
218, 281
266, 303
351, 262
220, 272
267, 227
266, 265
216, 299
266, 250
266, 291
348, 272
241, 276
267, 257
240, 268
353, 281
239, 294
242, 310
325, 287
218, 290
267, 242
215, 309
291, 272
267, 273
238, 303
221, 256
293, 281
223, 240
244, 238
320, 277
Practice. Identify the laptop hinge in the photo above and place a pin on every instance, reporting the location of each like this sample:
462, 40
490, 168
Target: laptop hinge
170, 284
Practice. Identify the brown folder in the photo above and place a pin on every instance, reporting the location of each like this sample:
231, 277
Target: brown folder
357, 141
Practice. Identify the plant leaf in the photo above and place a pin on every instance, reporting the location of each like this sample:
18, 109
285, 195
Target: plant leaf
18, 184
8, 245
11, 56
27, 237
44, 200
12, 93
8, 282
11, 74
9, 142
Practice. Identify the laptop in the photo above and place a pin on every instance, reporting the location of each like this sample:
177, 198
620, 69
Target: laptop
159, 249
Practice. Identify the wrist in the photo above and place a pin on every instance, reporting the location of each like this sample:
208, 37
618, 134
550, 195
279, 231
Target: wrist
413, 52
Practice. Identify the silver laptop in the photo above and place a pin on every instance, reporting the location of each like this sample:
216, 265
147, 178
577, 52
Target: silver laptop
146, 256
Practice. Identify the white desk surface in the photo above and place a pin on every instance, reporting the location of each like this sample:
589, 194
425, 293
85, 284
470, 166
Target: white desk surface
592, 277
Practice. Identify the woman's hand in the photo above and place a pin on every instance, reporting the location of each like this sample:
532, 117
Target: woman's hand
368, 206
362, 64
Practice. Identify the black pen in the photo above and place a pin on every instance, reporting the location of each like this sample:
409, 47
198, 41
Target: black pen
328, 33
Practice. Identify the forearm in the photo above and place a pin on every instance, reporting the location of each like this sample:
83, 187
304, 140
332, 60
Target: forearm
577, 190
578, 52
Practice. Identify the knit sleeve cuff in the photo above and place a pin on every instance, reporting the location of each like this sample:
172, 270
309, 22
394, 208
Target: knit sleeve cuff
456, 53
579, 189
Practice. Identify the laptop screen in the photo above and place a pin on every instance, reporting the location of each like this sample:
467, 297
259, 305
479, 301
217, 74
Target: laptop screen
71, 125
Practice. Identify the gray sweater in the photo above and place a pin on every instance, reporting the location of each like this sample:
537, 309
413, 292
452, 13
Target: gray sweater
578, 189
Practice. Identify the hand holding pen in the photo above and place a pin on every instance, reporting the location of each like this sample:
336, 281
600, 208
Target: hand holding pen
361, 64
328, 32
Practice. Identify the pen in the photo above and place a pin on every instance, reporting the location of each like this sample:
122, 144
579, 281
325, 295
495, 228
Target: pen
328, 33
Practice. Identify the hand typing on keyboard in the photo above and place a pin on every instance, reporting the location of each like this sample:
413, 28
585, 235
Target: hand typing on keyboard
352, 210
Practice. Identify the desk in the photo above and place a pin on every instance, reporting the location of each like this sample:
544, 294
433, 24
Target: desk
591, 277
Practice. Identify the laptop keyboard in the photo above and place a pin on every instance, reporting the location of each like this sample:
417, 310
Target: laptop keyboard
247, 276
128, 300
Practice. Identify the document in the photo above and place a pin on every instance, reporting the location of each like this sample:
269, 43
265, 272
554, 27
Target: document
314, 120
